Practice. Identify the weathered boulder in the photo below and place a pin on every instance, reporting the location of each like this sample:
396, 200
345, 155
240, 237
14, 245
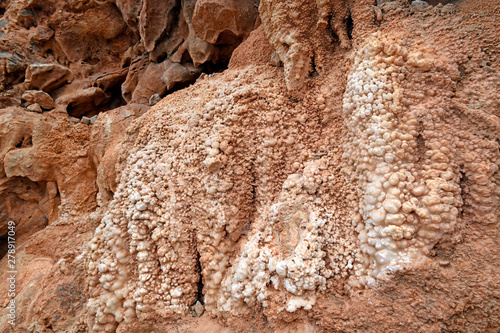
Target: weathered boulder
181, 55
154, 99
136, 69
180, 75
224, 21
199, 50
85, 120
43, 34
35, 108
109, 79
39, 97
158, 78
171, 43
47, 77
130, 10
82, 35
83, 101
151, 83
156, 18
11, 67
10, 98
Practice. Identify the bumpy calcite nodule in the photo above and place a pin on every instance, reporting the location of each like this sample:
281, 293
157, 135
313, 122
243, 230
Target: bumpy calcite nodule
408, 203
191, 188
188, 187
142, 259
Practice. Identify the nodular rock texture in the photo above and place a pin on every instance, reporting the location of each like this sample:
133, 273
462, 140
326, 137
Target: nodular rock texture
236, 166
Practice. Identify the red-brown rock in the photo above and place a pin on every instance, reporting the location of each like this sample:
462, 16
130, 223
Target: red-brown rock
179, 75
130, 10
150, 83
82, 35
156, 18
224, 21
47, 77
82, 101
40, 97
169, 45
136, 69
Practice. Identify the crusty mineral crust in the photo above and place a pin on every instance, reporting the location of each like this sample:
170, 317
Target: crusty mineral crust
360, 195
407, 159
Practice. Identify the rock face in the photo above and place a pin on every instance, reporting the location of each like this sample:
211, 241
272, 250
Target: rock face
82, 31
178, 75
342, 175
82, 101
224, 22
63, 42
156, 19
44, 176
39, 97
47, 77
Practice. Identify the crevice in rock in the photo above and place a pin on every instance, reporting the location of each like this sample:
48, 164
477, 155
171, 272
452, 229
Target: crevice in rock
28, 142
25, 142
349, 23
421, 145
463, 189
437, 2
246, 229
313, 71
199, 294
3, 246
50, 53
113, 100
19, 144
116, 99
421, 150
181, 85
79, 111
91, 61
166, 34
211, 68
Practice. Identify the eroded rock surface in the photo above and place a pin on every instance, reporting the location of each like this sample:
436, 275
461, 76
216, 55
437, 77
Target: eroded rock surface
342, 175
47, 77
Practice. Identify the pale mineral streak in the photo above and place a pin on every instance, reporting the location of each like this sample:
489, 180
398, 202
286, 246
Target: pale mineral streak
356, 188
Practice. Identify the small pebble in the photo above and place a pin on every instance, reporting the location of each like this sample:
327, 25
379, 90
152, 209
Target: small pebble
199, 308
86, 120
155, 98
419, 5
35, 107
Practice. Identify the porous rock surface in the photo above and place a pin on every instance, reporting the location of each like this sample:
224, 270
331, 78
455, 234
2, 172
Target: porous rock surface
355, 188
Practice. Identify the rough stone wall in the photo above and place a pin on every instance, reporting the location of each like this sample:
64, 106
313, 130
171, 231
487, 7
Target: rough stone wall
355, 188
247, 206
409, 162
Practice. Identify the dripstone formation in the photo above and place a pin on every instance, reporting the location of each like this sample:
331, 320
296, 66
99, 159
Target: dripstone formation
236, 166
